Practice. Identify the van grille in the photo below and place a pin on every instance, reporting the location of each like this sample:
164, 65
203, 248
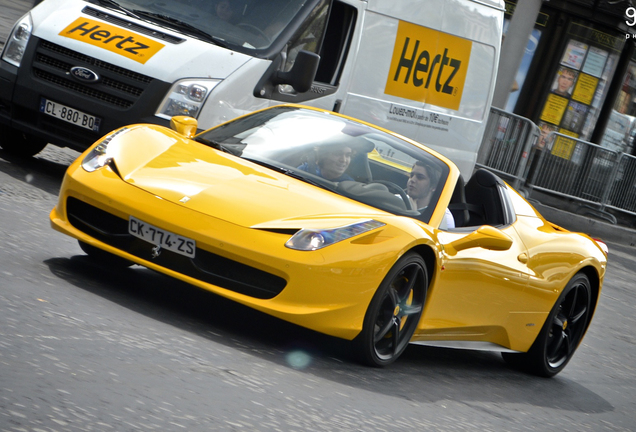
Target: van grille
117, 86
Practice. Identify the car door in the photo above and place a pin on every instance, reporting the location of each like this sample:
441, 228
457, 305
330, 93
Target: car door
478, 290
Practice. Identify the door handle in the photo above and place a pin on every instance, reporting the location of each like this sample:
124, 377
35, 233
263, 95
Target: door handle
523, 258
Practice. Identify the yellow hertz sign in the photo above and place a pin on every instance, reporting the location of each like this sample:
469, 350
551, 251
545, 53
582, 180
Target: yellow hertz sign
428, 66
115, 39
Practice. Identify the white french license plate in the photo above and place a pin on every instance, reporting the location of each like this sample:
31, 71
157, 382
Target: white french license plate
69, 115
162, 238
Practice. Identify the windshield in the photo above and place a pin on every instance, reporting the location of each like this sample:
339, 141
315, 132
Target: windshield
243, 25
342, 155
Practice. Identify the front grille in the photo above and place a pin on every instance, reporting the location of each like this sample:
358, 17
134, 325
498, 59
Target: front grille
117, 86
206, 266
87, 60
65, 67
85, 90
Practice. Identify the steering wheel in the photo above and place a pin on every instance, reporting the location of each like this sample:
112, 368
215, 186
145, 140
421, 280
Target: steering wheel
256, 30
397, 189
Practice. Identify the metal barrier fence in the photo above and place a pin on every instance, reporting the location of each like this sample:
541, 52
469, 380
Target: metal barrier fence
575, 169
622, 188
507, 145
594, 176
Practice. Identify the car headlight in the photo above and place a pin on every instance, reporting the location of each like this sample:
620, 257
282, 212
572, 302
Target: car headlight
17, 41
309, 239
186, 98
101, 155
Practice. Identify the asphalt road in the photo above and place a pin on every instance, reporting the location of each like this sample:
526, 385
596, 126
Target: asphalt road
83, 348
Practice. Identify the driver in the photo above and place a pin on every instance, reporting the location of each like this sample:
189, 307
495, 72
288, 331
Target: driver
331, 163
420, 188
224, 10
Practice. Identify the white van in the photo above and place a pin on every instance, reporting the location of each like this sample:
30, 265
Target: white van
73, 70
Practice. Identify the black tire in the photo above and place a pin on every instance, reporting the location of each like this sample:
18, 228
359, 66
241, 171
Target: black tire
104, 258
561, 333
393, 313
19, 144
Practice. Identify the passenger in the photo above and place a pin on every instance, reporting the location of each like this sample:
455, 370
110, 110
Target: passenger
224, 10
331, 163
420, 188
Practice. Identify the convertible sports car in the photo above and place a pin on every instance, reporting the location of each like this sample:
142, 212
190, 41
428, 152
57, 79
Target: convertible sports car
341, 227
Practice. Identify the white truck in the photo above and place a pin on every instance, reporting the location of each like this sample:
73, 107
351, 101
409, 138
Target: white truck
73, 70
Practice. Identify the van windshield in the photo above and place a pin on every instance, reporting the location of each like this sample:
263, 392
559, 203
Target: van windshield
242, 25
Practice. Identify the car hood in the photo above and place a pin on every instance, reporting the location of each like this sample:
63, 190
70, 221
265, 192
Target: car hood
236, 190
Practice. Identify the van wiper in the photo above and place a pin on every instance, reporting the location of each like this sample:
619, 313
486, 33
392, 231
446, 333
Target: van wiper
114, 5
178, 25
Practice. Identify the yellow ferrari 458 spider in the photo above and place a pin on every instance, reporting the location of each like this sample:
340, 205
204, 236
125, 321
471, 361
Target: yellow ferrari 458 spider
341, 227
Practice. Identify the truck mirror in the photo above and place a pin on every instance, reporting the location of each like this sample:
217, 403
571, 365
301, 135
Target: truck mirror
302, 74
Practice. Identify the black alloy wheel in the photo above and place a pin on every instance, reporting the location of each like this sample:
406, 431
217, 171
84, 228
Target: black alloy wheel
562, 332
394, 313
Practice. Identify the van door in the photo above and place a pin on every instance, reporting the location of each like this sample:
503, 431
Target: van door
329, 32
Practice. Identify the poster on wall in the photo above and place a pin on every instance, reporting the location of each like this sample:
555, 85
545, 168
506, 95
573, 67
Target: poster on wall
595, 62
574, 54
545, 129
585, 88
526, 60
579, 86
528, 53
564, 81
554, 109
574, 117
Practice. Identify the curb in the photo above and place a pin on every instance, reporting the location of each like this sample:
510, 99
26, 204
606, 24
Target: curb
592, 227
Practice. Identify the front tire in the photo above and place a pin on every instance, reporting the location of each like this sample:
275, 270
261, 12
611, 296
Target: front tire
562, 332
393, 313
19, 144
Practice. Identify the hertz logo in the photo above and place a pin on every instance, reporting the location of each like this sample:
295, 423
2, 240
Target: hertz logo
114, 39
428, 66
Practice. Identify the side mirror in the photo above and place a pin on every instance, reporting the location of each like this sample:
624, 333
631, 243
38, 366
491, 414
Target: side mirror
302, 74
300, 77
485, 236
184, 125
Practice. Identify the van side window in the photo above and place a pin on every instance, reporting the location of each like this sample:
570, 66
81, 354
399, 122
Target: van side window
328, 32
335, 46
310, 36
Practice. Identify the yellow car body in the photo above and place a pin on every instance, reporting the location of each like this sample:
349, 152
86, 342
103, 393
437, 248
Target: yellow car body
487, 287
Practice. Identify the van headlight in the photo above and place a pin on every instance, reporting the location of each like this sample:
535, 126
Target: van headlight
314, 239
185, 98
17, 41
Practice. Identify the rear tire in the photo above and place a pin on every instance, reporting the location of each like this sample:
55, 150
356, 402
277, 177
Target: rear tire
20, 144
394, 313
561, 333
104, 258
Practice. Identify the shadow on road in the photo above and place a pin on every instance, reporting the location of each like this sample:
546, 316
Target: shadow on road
422, 374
